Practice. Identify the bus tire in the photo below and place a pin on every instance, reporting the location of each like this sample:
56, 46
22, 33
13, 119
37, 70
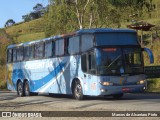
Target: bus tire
118, 96
78, 92
20, 89
26, 89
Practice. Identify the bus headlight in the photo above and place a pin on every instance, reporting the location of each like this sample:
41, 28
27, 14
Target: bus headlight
106, 83
141, 82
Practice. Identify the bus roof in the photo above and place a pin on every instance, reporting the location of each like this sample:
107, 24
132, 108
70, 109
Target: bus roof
103, 30
79, 32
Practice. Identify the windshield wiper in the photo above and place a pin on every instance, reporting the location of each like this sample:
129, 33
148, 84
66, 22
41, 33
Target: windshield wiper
113, 61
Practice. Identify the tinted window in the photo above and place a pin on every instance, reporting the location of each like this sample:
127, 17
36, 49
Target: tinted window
87, 42
84, 63
20, 54
115, 61
26, 53
66, 44
53, 48
110, 61
14, 55
91, 63
74, 45
133, 60
60, 47
116, 38
29, 52
88, 63
9, 55
39, 50
56, 48
48, 49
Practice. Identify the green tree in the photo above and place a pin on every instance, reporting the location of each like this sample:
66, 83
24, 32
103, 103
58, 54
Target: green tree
38, 7
9, 22
59, 19
38, 11
70, 15
91, 13
127, 7
26, 18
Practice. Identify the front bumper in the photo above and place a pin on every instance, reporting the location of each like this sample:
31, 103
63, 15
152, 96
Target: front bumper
110, 90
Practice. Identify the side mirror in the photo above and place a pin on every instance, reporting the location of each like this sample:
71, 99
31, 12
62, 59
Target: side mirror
150, 54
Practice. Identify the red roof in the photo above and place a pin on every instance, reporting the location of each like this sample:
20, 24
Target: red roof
141, 26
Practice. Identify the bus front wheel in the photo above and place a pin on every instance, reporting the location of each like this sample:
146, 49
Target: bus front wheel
78, 92
20, 90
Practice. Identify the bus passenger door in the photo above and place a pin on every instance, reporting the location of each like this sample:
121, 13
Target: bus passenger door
89, 71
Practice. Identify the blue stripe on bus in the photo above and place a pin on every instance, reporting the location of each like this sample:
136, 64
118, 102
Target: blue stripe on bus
46, 79
36, 84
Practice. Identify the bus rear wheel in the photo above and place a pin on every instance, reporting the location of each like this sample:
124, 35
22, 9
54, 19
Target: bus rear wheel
78, 92
27, 90
20, 89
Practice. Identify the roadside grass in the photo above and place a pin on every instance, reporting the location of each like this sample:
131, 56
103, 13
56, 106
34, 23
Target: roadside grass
29, 37
154, 85
33, 26
3, 85
3, 77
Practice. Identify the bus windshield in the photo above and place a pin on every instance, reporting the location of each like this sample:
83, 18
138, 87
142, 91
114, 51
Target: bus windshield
114, 61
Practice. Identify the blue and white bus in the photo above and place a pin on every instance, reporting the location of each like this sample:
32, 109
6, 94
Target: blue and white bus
89, 62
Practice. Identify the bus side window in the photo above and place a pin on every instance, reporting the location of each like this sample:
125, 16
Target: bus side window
86, 42
91, 63
31, 52
48, 49
74, 45
20, 54
60, 47
84, 62
26, 53
39, 50
9, 55
66, 44
88, 63
53, 49
14, 55
56, 47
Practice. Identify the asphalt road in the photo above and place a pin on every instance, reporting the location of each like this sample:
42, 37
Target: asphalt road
43, 102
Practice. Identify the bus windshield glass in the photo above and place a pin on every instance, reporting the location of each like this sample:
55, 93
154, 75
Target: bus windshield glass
112, 61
